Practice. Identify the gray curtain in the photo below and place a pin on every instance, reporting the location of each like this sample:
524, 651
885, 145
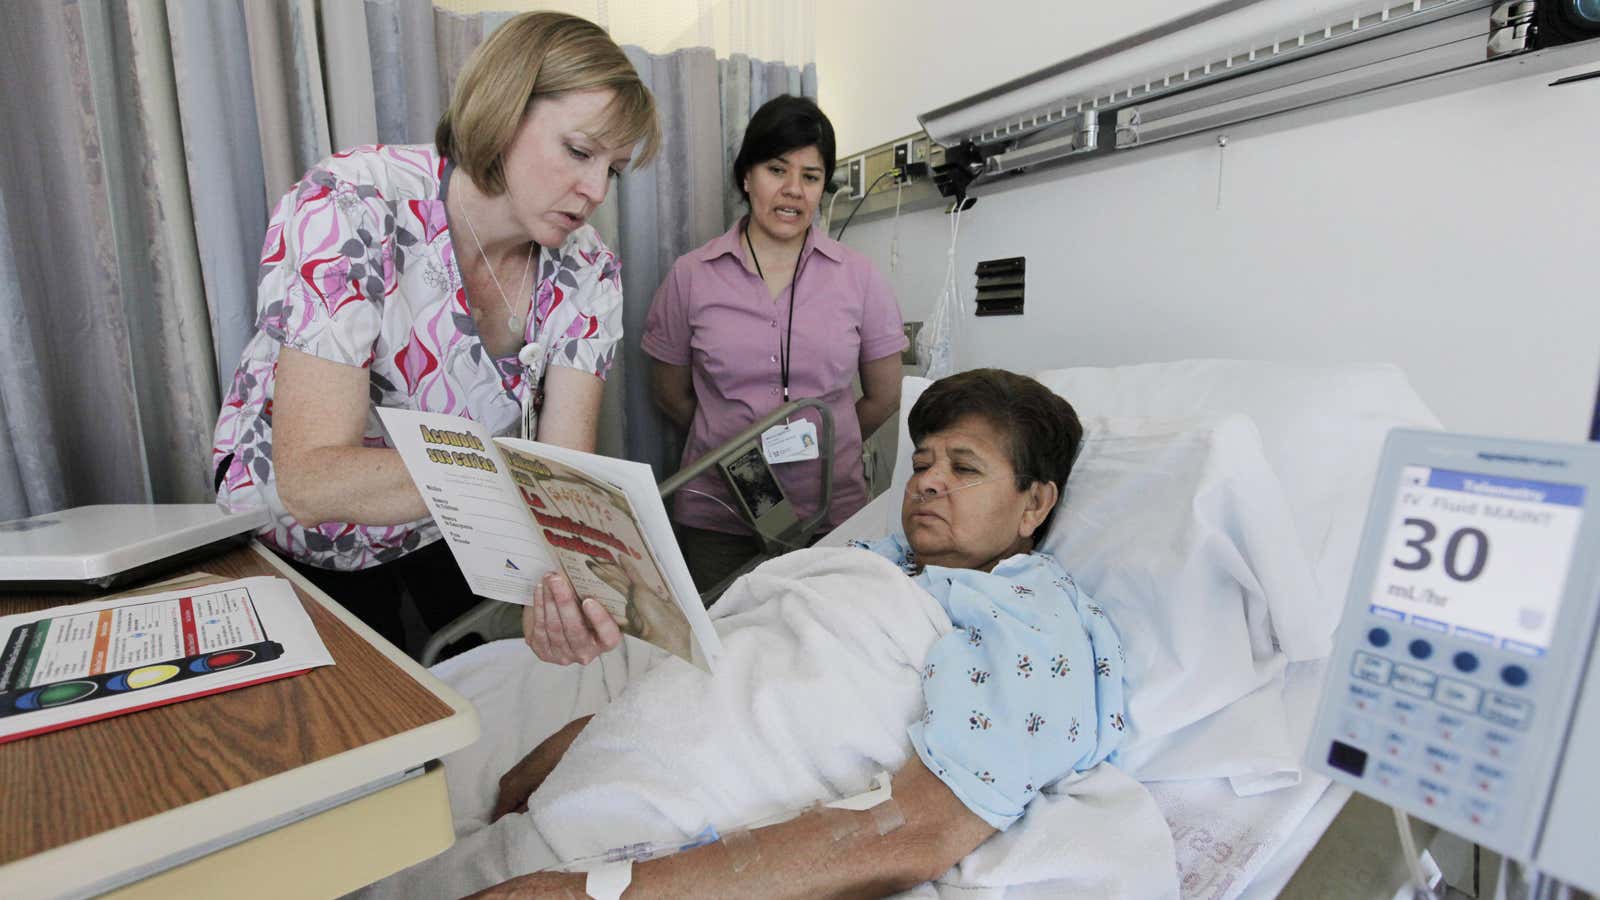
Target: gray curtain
684, 200
142, 143
108, 374
216, 106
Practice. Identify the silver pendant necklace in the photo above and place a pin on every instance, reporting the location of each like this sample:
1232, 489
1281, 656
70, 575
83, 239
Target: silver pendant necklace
513, 321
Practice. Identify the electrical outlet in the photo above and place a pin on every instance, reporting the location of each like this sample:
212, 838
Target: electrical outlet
902, 161
857, 168
909, 356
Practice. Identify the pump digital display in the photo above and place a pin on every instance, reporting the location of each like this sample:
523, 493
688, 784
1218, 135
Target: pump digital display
1482, 557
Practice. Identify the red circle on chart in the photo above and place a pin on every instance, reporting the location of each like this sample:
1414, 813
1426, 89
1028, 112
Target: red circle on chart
228, 658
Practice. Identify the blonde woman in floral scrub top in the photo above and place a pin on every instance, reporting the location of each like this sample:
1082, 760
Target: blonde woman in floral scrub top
458, 278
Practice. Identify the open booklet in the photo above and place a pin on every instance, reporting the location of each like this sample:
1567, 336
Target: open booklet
513, 510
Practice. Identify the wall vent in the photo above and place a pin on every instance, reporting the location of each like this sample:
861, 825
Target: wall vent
1000, 286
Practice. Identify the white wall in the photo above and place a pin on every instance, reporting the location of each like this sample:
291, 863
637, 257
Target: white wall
1458, 236
882, 62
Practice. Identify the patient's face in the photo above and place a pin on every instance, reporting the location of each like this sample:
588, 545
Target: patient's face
976, 516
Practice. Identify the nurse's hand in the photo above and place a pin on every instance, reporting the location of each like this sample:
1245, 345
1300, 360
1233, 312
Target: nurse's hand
563, 631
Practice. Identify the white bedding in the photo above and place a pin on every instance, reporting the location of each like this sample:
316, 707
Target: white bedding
1220, 843
1215, 511
819, 677
811, 698
1100, 836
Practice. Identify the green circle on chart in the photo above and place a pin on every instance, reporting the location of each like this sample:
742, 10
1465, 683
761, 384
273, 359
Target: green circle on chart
66, 692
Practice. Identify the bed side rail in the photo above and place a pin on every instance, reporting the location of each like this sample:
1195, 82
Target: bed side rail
728, 449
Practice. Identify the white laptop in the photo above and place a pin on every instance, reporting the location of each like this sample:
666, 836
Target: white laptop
91, 548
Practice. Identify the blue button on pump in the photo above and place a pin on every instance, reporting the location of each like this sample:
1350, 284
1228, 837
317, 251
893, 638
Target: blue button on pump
1466, 661
1514, 675
1421, 649
1378, 637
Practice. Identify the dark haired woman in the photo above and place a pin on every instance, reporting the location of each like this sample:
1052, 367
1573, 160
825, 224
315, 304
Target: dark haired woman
773, 310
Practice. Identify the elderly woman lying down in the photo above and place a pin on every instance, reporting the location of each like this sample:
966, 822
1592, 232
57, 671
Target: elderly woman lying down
951, 655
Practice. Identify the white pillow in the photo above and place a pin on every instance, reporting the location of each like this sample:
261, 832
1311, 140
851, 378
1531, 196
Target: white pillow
1177, 528
1322, 429
911, 387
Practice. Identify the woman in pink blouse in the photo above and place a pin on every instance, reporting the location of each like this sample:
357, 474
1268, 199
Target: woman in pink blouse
458, 277
772, 309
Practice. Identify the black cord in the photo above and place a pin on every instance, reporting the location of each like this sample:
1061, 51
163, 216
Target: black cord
1477, 890
863, 199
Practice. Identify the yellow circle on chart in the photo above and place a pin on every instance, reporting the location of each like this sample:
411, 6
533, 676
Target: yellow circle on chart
149, 675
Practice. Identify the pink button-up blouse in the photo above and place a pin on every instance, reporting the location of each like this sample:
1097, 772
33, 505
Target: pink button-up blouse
717, 317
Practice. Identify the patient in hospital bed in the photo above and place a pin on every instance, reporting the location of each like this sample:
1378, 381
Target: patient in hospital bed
951, 654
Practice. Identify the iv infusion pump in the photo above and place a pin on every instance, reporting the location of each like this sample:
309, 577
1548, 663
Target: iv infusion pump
1463, 688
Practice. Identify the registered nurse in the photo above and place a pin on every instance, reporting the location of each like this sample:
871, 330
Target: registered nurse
772, 310
458, 277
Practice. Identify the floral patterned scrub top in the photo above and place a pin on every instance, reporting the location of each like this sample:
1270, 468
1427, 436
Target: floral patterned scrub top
359, 267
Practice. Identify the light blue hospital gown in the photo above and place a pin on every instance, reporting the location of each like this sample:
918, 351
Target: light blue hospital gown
1026, 689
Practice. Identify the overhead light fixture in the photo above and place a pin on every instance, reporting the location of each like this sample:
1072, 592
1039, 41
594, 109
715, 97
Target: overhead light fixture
1389, 59
1171, 81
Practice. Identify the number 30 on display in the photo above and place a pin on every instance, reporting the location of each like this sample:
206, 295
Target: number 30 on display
1453, 548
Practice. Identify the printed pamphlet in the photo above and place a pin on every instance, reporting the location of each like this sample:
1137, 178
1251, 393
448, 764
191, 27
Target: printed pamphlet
513, 510
74, 664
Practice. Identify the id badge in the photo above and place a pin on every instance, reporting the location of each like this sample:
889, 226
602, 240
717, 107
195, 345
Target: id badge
789, 442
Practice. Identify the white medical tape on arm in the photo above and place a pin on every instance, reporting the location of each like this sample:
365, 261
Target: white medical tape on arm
886, 816
867, 799
841, 822
609, 880
742, 848
879, 801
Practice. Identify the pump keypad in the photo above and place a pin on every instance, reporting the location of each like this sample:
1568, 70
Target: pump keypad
1444, 733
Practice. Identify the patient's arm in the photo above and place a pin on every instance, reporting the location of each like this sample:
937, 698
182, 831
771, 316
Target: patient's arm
801, 858
522, 779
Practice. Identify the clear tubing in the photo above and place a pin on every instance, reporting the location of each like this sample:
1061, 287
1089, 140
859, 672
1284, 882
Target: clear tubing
720, 502
1408, 846
930, 496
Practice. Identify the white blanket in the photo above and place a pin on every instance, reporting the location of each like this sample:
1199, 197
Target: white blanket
1222, 840
816, 685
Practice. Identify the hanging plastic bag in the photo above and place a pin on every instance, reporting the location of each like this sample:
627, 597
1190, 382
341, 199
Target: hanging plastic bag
936, 341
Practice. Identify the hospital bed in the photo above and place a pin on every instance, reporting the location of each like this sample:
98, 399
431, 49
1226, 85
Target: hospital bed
1214, 511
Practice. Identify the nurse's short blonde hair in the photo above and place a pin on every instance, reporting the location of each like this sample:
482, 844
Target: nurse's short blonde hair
540, 54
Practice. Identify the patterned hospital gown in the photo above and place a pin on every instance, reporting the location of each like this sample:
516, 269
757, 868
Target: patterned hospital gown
359, 267
1027, 688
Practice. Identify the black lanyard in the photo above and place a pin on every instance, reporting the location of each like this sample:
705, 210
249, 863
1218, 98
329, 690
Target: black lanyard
785, 346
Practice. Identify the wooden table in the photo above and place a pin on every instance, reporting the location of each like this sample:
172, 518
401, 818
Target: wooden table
310, 785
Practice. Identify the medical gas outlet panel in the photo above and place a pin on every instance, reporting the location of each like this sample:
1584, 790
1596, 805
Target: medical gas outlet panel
1466, 635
